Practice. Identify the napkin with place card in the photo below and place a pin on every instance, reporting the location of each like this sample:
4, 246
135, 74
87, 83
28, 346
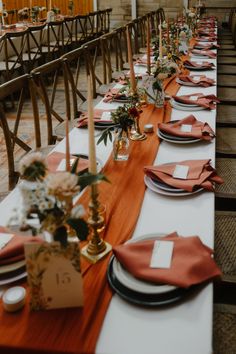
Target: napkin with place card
56, 162
206, 101
197, 80
12, 246
207, 53
114, 94
173, 260
188, 175
204, 64
99, 116
188, 127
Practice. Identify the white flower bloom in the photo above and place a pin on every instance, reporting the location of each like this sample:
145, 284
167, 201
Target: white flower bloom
62, 184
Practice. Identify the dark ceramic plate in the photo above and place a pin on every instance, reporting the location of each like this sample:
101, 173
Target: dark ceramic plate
148, 300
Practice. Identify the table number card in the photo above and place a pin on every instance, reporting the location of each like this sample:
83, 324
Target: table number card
54, 275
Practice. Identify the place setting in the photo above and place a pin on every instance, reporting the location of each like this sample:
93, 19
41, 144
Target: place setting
203, 53
184, 178
148, 271
185, 131
194, 102
102, 119
199, 65
195, 80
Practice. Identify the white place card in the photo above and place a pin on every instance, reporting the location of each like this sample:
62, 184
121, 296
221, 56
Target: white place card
193, 98
106, 116
199, 62
4, 239
180, 172
162, 254
186, 128
62, 164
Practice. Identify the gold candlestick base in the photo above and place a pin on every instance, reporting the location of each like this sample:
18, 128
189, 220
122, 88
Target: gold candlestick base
138, 136
97, 248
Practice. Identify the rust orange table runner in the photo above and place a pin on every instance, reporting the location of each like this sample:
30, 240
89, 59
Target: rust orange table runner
76, 330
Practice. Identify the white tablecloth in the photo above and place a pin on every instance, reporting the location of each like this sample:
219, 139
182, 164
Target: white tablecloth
184, 328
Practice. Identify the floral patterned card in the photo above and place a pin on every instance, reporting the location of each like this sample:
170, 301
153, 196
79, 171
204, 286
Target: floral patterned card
54, 275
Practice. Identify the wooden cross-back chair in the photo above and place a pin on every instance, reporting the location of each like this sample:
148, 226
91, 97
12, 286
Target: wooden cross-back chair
161, 14
35, 38
15, 57
107, 21
93, 57
53, 41
72, 63
48, 85
14, 120
12, 16
81, 35
69, 33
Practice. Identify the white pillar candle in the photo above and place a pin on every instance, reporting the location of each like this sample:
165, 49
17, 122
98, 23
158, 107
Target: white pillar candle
92, 150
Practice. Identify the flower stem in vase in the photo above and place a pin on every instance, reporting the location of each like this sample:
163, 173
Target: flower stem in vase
137, 135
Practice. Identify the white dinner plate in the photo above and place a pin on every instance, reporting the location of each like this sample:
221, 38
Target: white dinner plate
175, 105
6, 268
176, 141
185, 83
185, 104
201, 68
149, 183
139, 285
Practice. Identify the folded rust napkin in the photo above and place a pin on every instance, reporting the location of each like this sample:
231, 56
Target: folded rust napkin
82, 121
143, 61
192, 261
203, 65
14, 249
206, 32
199, 130
207, 53
206, 101
113, 94
200, 175
54, 159
197, 80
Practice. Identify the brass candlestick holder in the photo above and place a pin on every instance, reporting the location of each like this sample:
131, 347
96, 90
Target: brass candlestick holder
137, 135
96, 248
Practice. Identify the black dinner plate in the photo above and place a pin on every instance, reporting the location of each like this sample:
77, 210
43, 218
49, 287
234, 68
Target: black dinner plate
147, 300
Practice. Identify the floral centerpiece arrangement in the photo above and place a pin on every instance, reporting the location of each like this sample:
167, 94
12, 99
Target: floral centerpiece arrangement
51, 197
164, 68
35, 11
124, 118
23, 14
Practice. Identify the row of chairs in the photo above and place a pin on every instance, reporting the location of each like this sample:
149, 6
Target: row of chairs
225, 215
58, 89
35, 44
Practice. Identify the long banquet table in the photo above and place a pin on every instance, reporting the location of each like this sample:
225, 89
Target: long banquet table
182, 328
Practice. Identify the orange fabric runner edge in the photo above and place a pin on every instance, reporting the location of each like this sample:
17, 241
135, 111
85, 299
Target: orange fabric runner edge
76, 330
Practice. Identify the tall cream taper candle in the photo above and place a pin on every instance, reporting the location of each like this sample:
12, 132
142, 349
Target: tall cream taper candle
92, 150
67, 146
131, 64
148, 47
160, 41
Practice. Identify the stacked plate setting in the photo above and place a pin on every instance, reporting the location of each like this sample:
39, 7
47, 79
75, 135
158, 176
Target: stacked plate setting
185, 106
141, 292
176, 139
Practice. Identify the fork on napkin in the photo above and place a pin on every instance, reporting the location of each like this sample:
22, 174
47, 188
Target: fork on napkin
200, 175
191, 262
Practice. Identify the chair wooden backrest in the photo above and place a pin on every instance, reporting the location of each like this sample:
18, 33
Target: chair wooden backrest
48, 86
69, 31
14, 122
162, 14
81, 29
54, 40
35, 38
72, 63
16, 44
108, 12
